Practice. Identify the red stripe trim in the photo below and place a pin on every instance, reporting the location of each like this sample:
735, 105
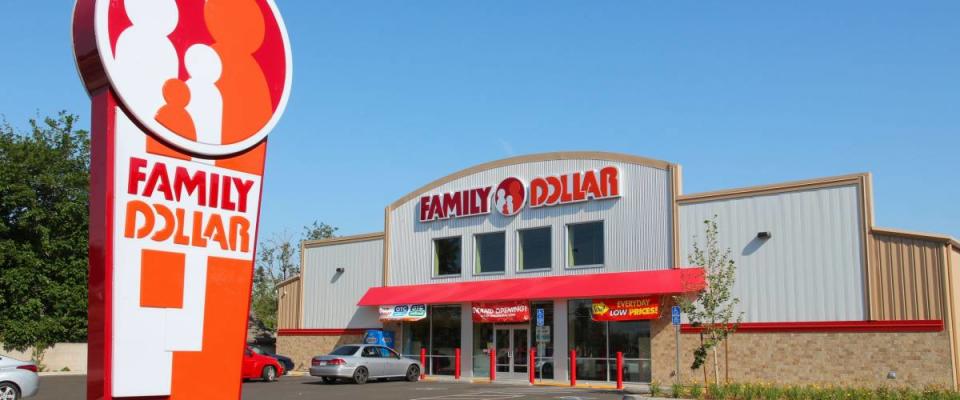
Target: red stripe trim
320, 332
933, 325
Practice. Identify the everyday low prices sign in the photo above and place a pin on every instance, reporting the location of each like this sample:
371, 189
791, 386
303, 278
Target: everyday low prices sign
634, 309
403, 312
511, 311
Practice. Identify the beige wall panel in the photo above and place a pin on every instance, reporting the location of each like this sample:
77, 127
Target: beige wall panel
288, 309
907, 279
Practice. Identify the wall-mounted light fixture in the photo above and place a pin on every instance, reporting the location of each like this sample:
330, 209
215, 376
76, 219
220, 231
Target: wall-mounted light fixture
764, 235
340, 270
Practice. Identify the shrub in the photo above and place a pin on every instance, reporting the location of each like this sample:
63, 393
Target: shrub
655, 389
696, 391
676, 390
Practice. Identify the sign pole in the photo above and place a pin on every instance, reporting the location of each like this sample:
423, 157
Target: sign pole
675, 320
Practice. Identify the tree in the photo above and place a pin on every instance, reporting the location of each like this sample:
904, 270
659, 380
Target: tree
714, 308
44, 175
277, 261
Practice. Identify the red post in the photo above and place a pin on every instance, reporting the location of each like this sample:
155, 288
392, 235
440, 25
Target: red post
619, 370
423, 361
573, 368
532, 366
493, 365
456, 363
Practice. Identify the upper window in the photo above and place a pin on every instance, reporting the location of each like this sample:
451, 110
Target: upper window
585, 244
535, 249
491, 254
446, 256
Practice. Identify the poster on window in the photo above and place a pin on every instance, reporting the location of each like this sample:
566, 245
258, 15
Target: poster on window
403, 312
630, 309
512, 311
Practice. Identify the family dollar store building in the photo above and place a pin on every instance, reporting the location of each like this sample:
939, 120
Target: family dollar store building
585, 251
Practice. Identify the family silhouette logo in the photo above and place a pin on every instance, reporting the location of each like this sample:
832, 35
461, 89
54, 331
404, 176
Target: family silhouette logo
183, 93
510, 196
208, 77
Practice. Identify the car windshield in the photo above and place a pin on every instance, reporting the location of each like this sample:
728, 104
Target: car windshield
344, 351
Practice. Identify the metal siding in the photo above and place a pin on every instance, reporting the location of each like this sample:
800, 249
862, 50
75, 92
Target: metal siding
330, 301
288, 309
810, 270
907, 280
637, 225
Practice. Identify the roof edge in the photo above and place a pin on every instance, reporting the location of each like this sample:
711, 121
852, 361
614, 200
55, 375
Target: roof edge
936, 237
782, 187
307, 244
560, 155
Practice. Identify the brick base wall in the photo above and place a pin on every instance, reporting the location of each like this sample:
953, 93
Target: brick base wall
303, 348
919, 359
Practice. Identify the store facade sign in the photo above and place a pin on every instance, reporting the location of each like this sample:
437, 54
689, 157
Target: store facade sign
512, 194
504, 312
632, 309
403, 312
184, 94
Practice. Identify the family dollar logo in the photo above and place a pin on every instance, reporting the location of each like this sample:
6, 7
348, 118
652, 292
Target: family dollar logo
210, 78
184, 94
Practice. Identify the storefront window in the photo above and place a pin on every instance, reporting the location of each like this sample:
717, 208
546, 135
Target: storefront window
597, 344
490, 253
543, 339
439, 333
585, 244
482, 343
534, 245
446, 256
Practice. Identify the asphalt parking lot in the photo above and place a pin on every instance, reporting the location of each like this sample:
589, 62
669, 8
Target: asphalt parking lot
74, 388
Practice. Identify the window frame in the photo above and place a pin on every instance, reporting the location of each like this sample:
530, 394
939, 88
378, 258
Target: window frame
568, 251
435, 268
476, 254
519, 251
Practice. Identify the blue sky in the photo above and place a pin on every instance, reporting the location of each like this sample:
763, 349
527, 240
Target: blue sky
390, 95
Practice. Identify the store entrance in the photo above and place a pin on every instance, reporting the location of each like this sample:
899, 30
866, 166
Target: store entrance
512, 342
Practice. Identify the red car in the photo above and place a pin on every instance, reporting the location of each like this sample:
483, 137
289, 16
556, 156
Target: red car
260, 366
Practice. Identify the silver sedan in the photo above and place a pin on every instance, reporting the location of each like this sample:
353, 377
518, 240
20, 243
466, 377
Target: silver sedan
360, 362
17, 379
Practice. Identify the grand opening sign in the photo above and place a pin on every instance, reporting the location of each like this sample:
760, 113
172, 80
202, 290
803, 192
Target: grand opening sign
512, 194
184, 94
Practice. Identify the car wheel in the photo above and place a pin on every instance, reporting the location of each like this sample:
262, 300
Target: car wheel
360, 376
9, 391
413, 373
269, 374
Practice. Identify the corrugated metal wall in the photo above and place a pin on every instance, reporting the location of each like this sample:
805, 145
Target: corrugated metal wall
637, 226
330, 301
288, 309
907, 278
812, 267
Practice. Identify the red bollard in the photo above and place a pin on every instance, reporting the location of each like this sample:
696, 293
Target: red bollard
423, 362
493, 365
619, 370
533, 364
456, 363
573, 368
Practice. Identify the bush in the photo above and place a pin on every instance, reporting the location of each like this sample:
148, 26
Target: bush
760, 391
676, 390
655, 389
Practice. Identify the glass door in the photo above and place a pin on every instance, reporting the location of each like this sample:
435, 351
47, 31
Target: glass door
512, 344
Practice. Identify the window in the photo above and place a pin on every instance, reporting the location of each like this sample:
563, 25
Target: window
371, 352
597, 344
345, 351
439, 334
535, 249
543, 338
585, 244
446, 256
490, 253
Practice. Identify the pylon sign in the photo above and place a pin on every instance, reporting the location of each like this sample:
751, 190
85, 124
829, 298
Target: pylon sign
184, 93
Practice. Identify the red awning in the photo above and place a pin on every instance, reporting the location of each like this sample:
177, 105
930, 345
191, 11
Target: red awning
617, 284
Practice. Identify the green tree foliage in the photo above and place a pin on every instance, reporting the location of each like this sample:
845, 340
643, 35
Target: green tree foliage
714, 308
44, 174
277, 260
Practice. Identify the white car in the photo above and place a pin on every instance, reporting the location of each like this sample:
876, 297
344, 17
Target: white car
18, 379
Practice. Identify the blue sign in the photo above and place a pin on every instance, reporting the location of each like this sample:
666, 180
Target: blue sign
539, 317
675, 315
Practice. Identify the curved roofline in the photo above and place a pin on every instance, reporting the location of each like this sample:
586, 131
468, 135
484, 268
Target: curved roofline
560, 155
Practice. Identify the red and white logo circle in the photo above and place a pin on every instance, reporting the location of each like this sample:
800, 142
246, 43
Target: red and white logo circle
510, 196
210, 77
